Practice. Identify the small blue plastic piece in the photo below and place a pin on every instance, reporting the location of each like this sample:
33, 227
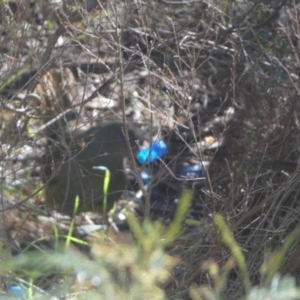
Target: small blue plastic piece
146, 177
17, 291
189, 172
152, 153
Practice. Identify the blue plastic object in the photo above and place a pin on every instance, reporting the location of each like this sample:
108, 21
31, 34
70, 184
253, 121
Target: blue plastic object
189, 172
152, 153
146, 177
18, 292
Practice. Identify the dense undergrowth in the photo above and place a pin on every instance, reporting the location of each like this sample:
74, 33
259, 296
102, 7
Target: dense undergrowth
219, 82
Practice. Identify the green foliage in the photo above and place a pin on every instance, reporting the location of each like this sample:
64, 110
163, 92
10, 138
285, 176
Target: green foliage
272, 286
273, 262
135, 269
105, 186
228, 239
14, 76
281, 288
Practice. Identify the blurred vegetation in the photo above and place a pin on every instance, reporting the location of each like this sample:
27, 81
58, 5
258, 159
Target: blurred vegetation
220, 81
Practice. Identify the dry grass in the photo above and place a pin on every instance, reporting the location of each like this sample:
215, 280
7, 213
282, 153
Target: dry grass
189, 71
